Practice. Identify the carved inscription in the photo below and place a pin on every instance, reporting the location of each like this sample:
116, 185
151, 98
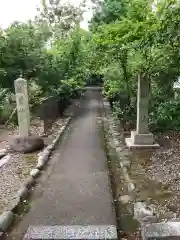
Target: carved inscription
22, 106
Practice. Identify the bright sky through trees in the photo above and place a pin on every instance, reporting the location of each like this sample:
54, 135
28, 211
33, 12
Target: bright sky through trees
22, 10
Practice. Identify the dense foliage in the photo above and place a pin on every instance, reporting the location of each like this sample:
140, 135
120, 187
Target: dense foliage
138, 37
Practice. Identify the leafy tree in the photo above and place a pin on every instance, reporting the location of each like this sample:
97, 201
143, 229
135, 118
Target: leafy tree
20, 52
108, 11
61, 16
139, 40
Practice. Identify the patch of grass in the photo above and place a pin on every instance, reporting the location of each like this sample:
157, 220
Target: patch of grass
30, 158
23, 208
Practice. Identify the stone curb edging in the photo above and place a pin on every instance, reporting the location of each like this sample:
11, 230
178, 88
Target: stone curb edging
6, 218
141, 213
3, 152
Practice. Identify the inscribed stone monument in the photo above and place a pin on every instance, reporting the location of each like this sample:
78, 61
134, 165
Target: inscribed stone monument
23, 142
142, 138
22, 107
142, 106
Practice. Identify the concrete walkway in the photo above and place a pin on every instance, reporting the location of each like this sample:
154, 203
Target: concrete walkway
75, 190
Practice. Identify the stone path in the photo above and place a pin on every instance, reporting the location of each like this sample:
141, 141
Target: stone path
76, 190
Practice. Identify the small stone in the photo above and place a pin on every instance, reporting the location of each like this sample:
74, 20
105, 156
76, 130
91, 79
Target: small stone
46, 152
22, 193
4, 160
62, 129
131, 187
29, 182
119, 149
35, 173
6, 219
125, 199
142, 214
116, 142
125, 175
54, 142
125, 163
40, 165
3, 152
39, 154
42, 160
50, 147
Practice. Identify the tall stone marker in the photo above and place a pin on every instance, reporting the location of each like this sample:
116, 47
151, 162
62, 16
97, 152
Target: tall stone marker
22, 107
141, 137
23, 142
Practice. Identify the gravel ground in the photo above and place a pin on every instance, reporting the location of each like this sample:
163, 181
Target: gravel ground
17, 169
157, 176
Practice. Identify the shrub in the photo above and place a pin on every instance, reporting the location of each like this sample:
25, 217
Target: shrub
114, 87
69, 89
5, 112
127, 114
6, 107
166, 116
35, 93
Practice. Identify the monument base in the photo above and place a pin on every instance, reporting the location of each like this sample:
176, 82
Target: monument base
25, 144
141, 141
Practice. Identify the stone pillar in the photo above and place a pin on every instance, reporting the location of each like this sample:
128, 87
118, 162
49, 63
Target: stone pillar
22, 107
142, 105
141, 137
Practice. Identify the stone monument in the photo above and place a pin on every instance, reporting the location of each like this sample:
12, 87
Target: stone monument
141, 137
22, 106
24, 142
